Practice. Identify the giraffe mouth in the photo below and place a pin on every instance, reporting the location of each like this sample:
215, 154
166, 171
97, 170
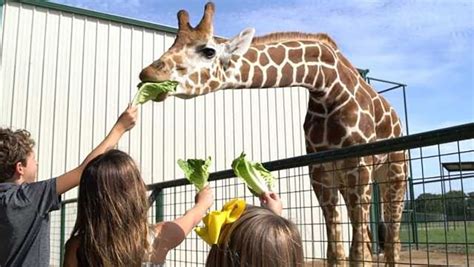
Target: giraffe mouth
156, 91
183, 95
143, 82
140, 84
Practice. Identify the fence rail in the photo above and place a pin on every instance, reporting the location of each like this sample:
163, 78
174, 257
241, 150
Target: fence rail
452, 134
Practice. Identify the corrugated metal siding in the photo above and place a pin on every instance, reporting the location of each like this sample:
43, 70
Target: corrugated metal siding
66, 77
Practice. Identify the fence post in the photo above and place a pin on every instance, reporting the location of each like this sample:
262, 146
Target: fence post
375, 218
414, 223
62, 233
159, 206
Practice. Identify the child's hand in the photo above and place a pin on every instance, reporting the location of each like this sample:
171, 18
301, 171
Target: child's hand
128, 118
205, 197
271, 201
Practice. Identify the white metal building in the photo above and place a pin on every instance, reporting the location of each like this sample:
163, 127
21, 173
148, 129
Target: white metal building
67, 73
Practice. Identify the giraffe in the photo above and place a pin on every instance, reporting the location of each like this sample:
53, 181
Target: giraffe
343, 110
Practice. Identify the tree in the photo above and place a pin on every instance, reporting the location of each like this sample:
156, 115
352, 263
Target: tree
470, 199
470, 205
429, 203
455, 203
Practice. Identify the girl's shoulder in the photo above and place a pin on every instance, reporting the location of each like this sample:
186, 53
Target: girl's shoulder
73, 243
70, 255
156, 228
155, 253
154, 231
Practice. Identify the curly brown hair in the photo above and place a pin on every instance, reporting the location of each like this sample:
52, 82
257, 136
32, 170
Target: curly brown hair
14, 147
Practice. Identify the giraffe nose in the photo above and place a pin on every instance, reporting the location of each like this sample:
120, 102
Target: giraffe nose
148, 74
156, 72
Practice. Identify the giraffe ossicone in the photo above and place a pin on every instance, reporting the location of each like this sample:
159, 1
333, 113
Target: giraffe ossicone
343, 110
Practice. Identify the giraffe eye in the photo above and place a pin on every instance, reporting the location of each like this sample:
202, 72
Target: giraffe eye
208, 52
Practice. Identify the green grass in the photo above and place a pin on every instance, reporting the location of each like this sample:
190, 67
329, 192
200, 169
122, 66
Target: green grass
435, 235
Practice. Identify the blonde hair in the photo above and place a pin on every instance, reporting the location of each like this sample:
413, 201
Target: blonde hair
259, 238
112, 212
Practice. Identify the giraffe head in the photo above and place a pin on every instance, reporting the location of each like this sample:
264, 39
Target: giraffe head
197, 60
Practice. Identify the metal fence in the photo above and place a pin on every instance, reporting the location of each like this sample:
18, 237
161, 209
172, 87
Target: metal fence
437, 225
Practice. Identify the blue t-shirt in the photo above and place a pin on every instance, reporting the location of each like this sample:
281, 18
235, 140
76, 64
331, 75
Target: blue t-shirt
24, 222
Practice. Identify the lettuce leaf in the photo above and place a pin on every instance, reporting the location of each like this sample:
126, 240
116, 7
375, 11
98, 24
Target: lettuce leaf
258, 179
151, 91
196, 171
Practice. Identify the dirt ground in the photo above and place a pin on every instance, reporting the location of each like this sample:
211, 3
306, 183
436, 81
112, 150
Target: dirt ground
417, 258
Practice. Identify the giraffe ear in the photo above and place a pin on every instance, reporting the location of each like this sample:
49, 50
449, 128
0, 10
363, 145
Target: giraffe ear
237, 45
240, 43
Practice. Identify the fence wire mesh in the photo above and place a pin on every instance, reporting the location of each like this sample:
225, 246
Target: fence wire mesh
437, 226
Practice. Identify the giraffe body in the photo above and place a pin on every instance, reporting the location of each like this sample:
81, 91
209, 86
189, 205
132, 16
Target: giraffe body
343, 110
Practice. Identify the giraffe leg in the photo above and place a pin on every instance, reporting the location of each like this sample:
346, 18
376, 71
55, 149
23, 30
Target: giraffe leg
393, 192
357, 194
325, 187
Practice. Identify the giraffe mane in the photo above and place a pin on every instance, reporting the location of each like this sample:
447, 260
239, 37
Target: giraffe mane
294, 36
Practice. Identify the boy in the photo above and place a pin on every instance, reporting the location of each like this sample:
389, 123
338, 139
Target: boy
25, 204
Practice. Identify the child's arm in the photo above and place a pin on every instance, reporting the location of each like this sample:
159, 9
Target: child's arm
271, 201
171, 234
125, 122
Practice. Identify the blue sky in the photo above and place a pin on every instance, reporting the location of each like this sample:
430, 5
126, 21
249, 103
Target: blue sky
428, 45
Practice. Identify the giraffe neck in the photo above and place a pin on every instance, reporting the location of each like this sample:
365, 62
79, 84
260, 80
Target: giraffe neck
314, 65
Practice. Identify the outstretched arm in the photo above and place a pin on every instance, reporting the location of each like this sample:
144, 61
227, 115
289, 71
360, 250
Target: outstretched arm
125, 122
172, 233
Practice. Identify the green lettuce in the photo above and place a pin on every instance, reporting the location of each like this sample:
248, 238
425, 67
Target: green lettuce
196, 171
152, 91
258, 179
